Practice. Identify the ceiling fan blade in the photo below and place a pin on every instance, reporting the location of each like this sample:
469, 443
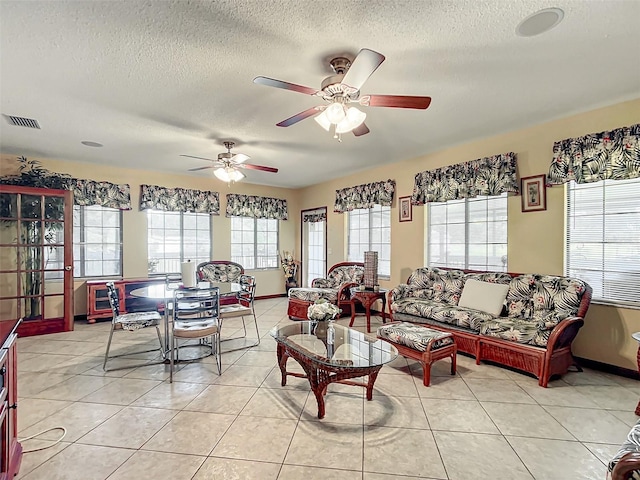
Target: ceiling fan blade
395, 101
199, 158
248, 166
360, 130
300, 116
271, 82
201, 168
365, 63
240, 157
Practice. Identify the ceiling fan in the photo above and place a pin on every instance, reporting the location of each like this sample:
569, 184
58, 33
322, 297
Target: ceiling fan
340, 90
228, 164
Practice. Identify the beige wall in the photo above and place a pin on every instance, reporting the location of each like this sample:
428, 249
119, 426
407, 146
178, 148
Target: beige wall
535, 239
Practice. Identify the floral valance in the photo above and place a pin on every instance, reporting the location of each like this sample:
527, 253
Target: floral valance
611, 155
179, 200
364, 196
256, 207
314, 217
105, 194
485, 176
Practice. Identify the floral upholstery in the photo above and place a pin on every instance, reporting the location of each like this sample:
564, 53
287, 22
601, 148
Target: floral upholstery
219, 272
340, 275
631, 444
313, 294
414, 336
534, 304
450, 314
137, 320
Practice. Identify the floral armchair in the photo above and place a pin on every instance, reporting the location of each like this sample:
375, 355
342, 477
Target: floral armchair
221, 271
335, 289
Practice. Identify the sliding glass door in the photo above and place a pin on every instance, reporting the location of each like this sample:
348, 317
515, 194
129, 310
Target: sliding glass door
314, 244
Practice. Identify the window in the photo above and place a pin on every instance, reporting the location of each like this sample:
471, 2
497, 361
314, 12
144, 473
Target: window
603, 238
315, 259
470, 233
97, 241
370, 230
254, 242
176, 237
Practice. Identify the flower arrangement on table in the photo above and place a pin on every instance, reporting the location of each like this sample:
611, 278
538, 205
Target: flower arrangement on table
322, 310
290, 268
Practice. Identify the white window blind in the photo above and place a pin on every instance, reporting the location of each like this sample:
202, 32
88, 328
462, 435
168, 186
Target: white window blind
370, 230
97, 241
175, 237
603, 239
254, 242
470, 233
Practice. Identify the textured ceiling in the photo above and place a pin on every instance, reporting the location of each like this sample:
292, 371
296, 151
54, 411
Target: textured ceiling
155, 79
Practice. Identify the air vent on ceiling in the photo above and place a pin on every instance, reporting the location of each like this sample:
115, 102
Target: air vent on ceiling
22, 121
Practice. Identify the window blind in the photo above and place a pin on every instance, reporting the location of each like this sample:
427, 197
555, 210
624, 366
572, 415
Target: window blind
603, 239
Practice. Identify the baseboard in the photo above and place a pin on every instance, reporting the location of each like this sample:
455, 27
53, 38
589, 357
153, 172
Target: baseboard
276, 295
605, 367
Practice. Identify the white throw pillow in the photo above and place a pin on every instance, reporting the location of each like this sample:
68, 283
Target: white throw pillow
484, 296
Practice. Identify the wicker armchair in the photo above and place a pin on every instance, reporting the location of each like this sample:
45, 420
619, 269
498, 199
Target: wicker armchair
335, 289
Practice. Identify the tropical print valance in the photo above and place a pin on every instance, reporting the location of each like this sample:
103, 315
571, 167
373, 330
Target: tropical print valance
611, 155
104, 194
485, 176
314, 217
365, 196
256, 207
179, 200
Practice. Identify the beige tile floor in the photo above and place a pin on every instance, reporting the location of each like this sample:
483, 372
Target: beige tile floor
485, 422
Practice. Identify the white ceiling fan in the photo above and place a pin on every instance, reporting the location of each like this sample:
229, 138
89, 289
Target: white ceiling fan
340, 90
228, 165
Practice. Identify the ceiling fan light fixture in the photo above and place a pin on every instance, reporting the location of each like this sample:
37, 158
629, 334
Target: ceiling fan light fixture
335, 112
228, 174
322, 120
353, 119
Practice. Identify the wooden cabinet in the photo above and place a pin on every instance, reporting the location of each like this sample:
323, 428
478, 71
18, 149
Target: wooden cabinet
11, 453
98, 302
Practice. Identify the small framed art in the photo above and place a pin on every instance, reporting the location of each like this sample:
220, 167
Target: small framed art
534, 193
405, 209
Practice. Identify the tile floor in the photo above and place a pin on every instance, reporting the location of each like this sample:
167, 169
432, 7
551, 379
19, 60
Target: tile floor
484, 423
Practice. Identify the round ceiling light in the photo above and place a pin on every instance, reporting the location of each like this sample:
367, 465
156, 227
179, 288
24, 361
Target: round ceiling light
87, 143
539, 22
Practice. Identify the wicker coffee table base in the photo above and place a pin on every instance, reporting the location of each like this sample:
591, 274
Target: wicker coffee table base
321, 375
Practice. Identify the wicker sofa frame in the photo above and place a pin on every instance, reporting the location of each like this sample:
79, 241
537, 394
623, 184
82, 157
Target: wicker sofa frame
543, 363
297, 308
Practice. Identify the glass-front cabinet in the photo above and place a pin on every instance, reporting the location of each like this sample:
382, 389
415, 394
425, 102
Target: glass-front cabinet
36, 259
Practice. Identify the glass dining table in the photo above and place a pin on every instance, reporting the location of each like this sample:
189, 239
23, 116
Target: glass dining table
163, 293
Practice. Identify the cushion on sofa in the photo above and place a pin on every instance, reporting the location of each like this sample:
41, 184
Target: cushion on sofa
515, 330
441, 312
340, 275
484, 296
313, 294
535, 297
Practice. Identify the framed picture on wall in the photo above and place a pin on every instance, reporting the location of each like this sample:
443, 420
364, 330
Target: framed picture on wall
534, 193
405, 209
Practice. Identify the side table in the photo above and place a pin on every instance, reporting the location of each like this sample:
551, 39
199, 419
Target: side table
367, 298
636, 337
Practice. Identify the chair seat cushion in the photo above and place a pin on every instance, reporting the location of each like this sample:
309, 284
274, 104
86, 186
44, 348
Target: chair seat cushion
415, 336
137, 320
235, 310
195, 328
313, 294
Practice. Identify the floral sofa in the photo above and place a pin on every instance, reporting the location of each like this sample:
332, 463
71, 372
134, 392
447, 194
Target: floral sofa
335, 289
625, 464
221, 271
530, 328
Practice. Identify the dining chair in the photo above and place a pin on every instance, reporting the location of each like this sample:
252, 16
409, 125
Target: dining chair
244, 307
220, 271
131, 322
195, 317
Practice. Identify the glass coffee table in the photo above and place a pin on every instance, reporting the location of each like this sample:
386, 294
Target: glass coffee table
331, 353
